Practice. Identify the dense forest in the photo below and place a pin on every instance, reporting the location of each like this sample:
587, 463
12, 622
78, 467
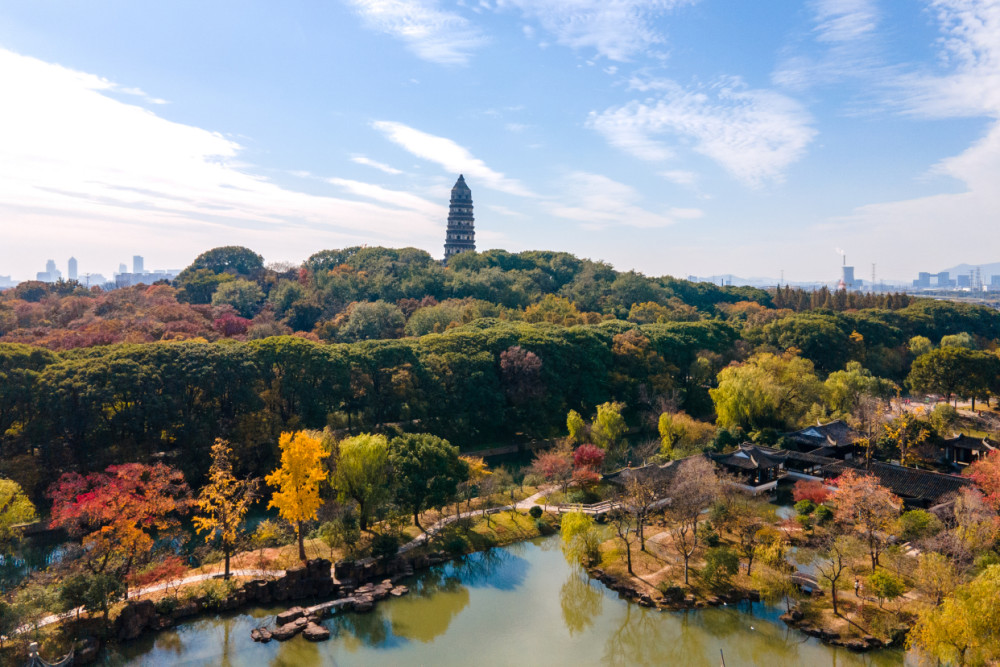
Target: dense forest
492, 346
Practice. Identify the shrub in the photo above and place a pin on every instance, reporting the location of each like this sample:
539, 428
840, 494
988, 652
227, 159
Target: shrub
455, 544
823, 514
165, 606
805, 521
885, 586
671, 592
708, 535
384, 546
805, 507
535, 512
721, 563
918, 523
217, 591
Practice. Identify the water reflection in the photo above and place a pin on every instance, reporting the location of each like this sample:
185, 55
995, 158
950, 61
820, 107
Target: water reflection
520, 606
580, 600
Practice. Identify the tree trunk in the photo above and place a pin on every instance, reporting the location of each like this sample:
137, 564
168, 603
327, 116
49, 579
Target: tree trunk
302, 545
628, 556
642, 535
833, 597
226, 575
685, 570
749, 563
416, 520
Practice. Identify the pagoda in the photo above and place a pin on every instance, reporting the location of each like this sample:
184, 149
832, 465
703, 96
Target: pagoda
461, 235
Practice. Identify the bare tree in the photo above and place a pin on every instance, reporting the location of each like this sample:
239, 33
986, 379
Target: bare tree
835, 561
639, 495
693, 489
623, 522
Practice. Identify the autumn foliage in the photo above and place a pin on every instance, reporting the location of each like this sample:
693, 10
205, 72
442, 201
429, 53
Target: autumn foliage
813, 490
986, 474
118, 512
297, 480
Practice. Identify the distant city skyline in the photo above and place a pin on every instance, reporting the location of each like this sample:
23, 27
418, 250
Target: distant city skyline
674, 137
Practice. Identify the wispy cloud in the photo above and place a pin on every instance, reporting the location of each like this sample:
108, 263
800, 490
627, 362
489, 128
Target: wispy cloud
431, 33
80, 167
970, 49
368, 162
617, 30
392, 197
845, 20
450, 155
599, 202
969, 86
754, 134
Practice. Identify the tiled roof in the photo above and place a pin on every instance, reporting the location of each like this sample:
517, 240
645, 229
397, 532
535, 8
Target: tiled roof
836, 434
905, 482
963, 441
658, 474
751, 457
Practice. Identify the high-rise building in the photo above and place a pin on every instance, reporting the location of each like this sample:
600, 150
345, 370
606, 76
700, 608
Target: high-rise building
137, 264
71, 268
461, 234
51, 274
122, 268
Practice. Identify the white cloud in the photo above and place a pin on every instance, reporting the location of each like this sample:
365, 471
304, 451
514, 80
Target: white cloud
451, 156
616, 29
81, 169
392, 197
971, 48
754, 134
432, 34
845, 20
959, 223
680, 176
599, 202
381, 166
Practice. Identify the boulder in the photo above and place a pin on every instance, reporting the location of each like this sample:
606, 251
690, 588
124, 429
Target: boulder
184, 610
286, 632
315, 633
135, 617
399, 591
857, 645
86, 650
363, 604
289, 615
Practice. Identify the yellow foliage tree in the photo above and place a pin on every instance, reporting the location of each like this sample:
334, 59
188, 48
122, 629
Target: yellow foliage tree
297, 480
224, 501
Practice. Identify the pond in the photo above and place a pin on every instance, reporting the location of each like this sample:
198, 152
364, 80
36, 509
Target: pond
523, 604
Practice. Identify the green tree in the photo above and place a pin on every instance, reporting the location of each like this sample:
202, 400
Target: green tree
243, 295
363, 474
427, 471
920, 345
767, 391
961, 339
232, 259
965, 628
608, 427
93, 592
845, 389
371, 321
15, 508
885, 585
576, 427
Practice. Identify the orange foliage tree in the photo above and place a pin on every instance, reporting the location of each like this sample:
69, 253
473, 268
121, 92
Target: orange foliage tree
870, 507
118, 512
986, 474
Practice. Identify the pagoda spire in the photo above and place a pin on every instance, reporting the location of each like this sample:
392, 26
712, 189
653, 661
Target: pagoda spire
461, 233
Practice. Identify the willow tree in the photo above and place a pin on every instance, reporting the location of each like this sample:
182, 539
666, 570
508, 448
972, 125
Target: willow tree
362, 474
224, 501
297, 480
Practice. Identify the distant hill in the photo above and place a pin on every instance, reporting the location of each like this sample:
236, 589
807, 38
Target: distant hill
986, 270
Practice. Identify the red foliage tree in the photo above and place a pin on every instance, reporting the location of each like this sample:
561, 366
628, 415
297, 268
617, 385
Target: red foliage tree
554, 466
588, 456
231, 324
118, 511
986, 474
813, 490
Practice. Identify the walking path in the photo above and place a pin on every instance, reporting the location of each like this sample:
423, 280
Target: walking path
434, 529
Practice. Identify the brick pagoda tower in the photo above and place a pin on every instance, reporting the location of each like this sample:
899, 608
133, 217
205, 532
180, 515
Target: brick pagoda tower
461, 235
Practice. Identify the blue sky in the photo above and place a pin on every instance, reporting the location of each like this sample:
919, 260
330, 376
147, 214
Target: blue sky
670, 136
